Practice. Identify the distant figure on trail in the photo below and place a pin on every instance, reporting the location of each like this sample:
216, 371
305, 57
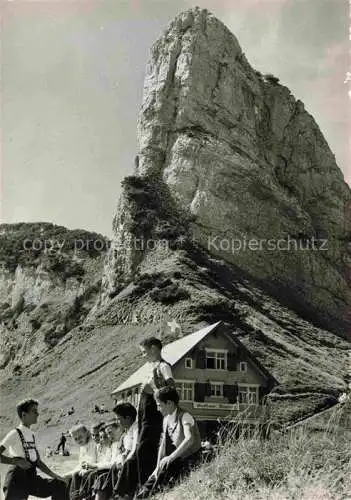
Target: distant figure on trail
21, 452
99, 409
62, 444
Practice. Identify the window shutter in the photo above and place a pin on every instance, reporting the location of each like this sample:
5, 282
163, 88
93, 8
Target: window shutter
262, 391
200, 392
201, 359
231, 392
226, 391
236, 392
232, 361
208, 389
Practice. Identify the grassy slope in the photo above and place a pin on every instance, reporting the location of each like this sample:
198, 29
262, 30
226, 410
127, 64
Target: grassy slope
302, 357
301, 465
61, 378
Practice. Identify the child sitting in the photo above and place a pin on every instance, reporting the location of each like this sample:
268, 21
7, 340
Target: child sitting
103, 486
126, 417
19, 450
160, 370
94, 431
181, 434
87, 462
138, 467
103, 450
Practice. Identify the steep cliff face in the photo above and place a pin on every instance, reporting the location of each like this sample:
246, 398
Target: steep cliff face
49, 279
245, 159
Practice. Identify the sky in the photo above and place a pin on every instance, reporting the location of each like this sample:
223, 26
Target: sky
72, 76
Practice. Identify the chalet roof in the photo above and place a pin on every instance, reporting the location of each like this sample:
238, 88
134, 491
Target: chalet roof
174, 351
171, 353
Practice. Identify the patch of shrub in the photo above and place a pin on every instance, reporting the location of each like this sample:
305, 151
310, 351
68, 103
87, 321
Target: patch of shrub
223, 310
35, 324
147, 282
168, 231
16, 242
152, 209
271, 78
169, 294
261, 191
145, 202
113, 294
64, 266
52, 335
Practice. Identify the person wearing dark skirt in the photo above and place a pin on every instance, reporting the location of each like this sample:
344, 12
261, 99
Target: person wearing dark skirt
138, 467
180, 447
22, 454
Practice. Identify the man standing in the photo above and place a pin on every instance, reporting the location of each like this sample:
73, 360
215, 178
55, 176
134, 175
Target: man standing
22, 454
62, 444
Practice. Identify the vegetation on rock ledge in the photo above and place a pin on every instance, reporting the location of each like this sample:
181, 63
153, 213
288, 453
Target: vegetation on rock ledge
24, 243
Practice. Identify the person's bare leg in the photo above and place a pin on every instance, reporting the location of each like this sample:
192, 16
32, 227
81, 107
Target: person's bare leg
100, 495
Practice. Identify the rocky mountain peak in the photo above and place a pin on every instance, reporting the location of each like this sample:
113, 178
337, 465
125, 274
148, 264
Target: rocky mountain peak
248, 165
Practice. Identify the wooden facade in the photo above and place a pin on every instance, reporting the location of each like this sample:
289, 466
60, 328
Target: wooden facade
217, 378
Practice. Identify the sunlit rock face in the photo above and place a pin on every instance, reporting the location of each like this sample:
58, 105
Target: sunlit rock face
245, 159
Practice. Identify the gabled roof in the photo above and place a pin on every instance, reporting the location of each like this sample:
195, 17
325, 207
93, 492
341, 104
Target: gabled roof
171, 353
176, 350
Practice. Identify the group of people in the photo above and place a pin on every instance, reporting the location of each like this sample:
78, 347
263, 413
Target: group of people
99, 409
132, 456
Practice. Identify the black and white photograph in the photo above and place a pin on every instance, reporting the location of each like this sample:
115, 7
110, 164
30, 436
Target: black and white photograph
175, 249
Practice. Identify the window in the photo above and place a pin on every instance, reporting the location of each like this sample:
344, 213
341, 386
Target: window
216, 389
188, 363
243, 366
216, 359
248, 395
185, 390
